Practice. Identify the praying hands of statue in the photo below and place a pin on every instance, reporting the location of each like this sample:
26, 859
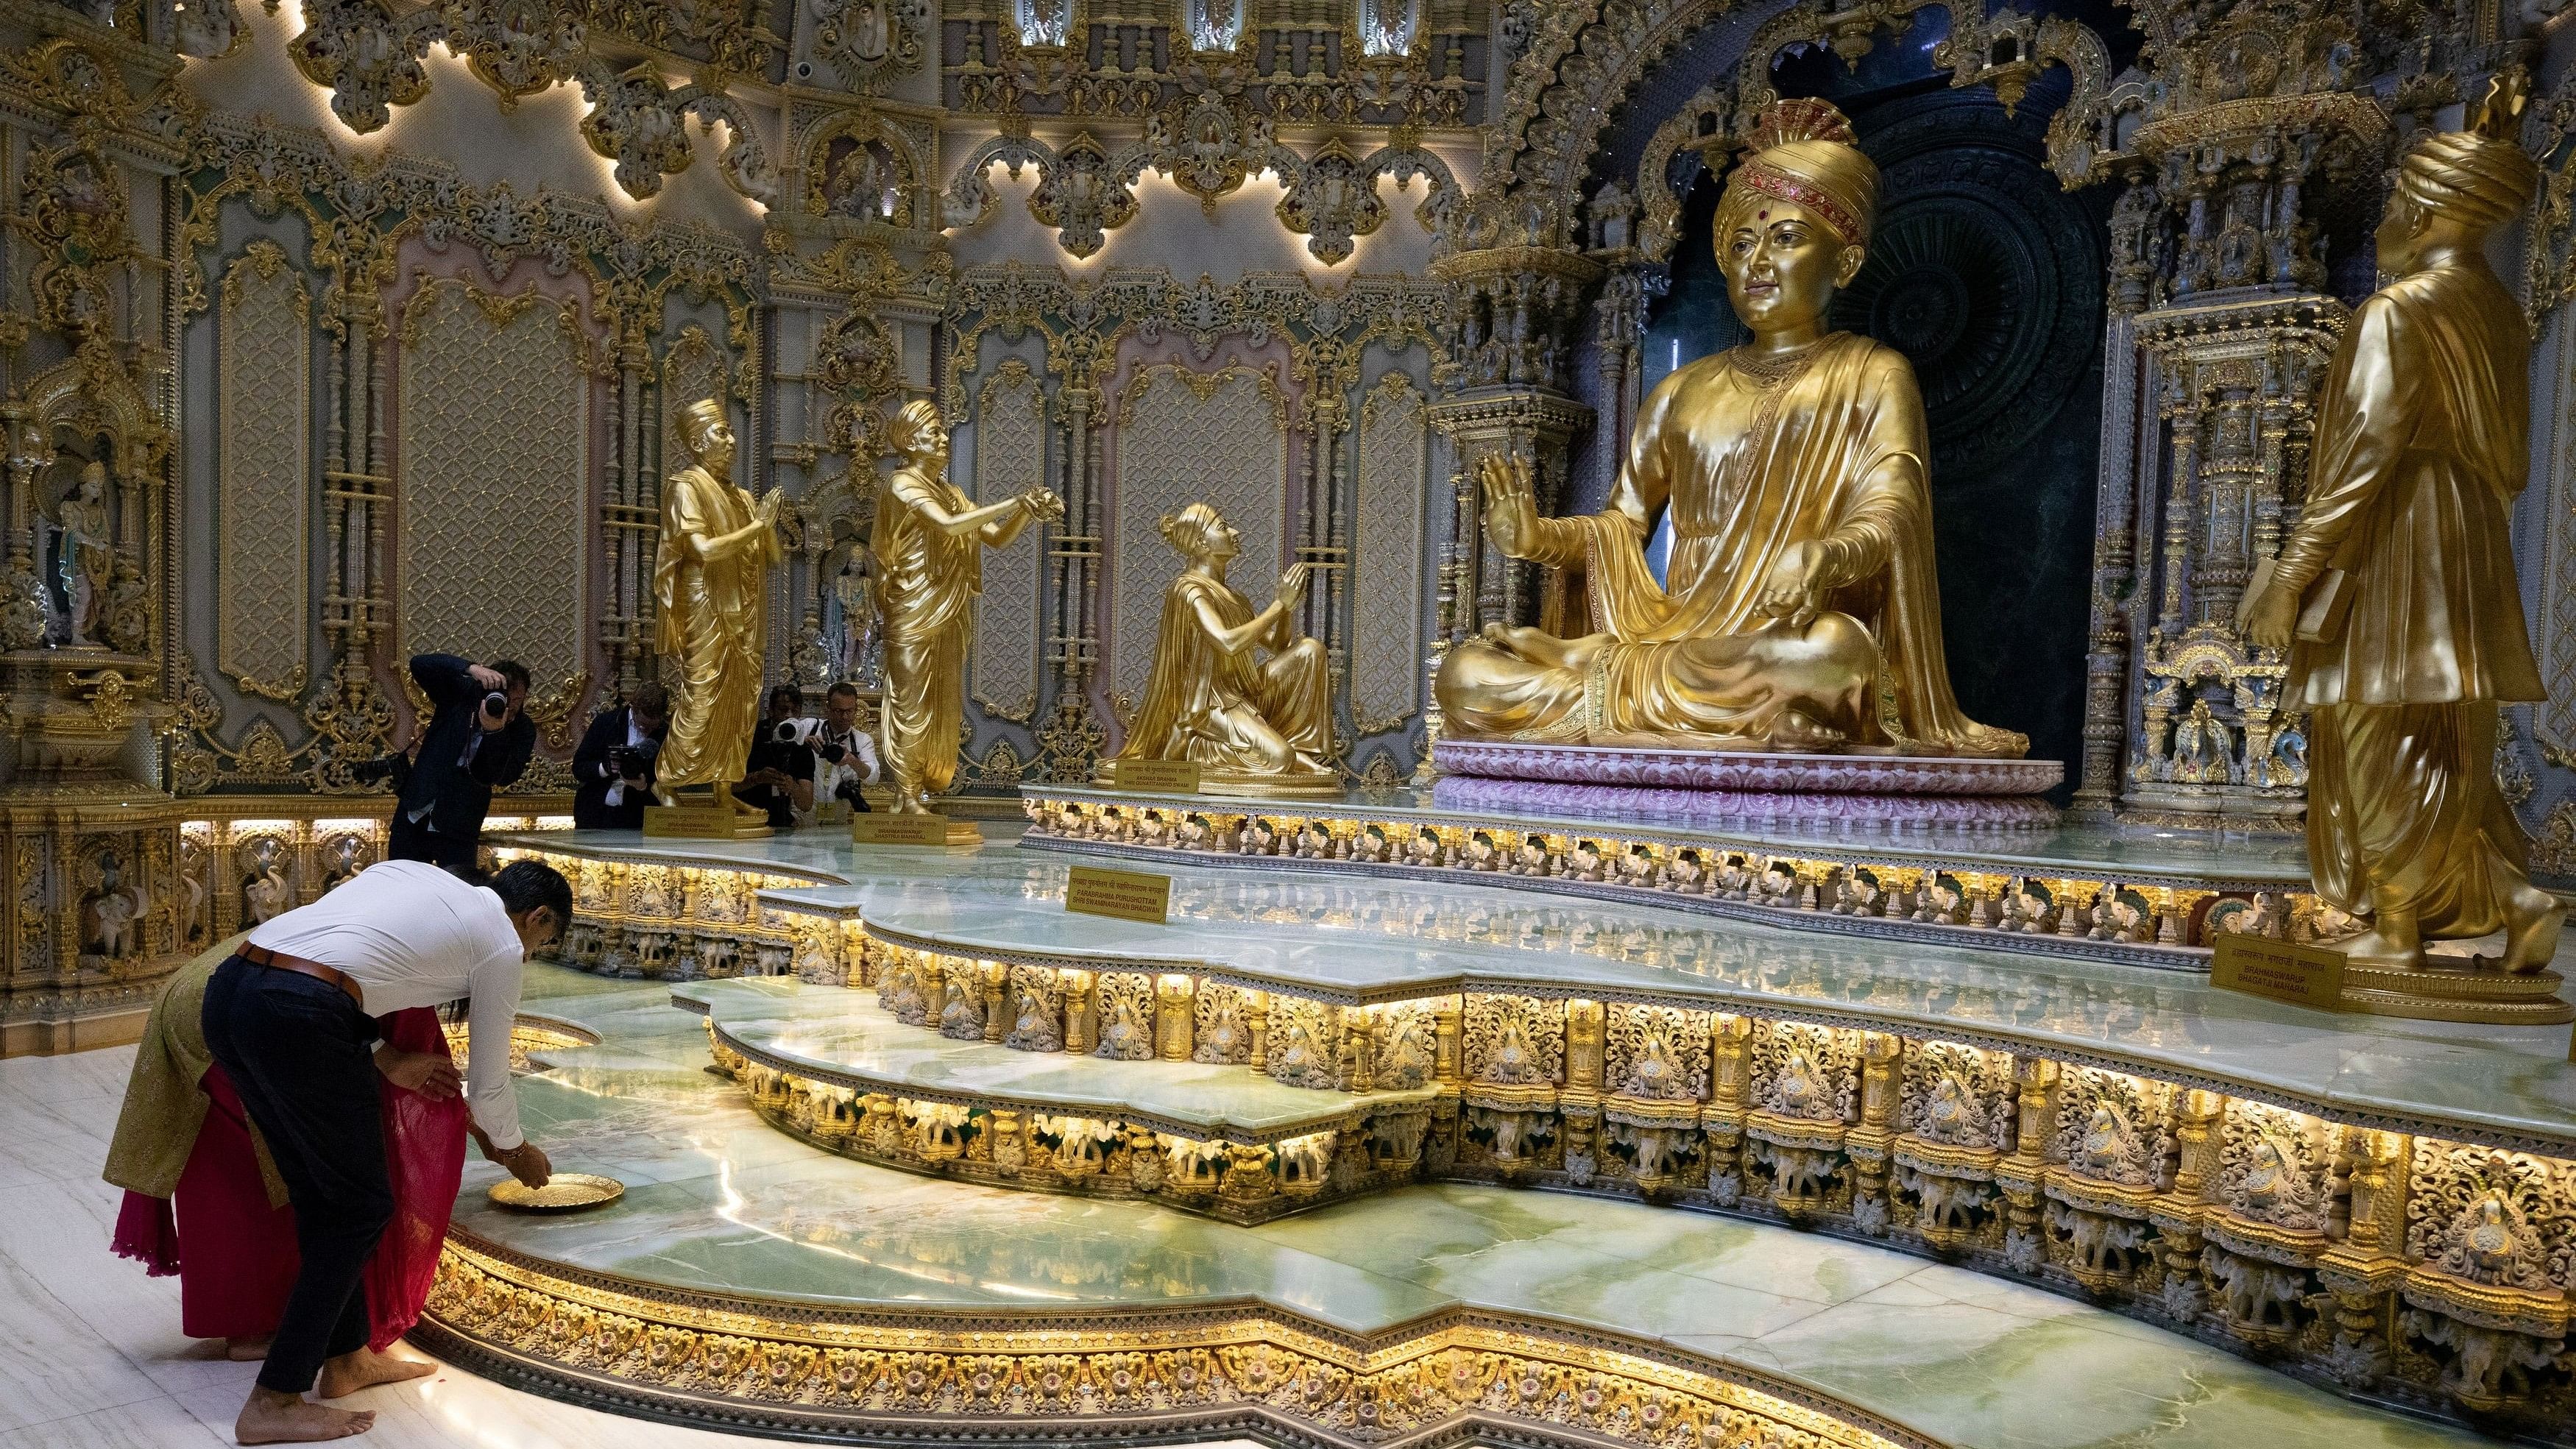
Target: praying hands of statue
1511, 504
1292, 588
1793, 592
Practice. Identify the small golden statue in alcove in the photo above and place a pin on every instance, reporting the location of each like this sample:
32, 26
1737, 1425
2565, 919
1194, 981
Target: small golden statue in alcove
1254, 726
1801, 586
711, 597
2395, 596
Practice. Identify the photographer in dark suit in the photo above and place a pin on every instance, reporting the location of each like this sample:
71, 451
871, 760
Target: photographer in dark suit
614, 766
479, 739
779, 776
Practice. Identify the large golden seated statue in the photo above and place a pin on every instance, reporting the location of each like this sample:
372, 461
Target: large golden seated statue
1800, 610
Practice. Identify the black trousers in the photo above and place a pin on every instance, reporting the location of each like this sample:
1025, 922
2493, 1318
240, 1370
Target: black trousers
409, 841
298, 1051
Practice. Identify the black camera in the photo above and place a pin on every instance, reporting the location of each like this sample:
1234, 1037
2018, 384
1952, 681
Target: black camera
786, 732
634, 762
392, 771
832, 754
496, 704
848, 793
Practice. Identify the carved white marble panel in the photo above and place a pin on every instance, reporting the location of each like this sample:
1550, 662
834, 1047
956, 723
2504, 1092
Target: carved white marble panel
1010, 458
1185, 437
493, 478
263, 482
1386, 555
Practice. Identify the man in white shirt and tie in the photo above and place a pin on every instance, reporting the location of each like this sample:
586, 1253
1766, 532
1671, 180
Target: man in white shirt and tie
288, 1016
844, 757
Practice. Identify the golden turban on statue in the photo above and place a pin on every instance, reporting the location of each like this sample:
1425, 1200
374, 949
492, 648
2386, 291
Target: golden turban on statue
2479, 177
1803, 151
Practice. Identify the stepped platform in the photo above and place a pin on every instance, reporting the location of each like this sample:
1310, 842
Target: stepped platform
2135, 895
835, 1068
750, 1281
2373, 1204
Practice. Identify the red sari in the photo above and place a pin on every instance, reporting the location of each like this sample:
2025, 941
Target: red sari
235, 1255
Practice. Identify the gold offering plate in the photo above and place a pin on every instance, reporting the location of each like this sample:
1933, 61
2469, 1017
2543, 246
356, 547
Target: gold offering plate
566, 1192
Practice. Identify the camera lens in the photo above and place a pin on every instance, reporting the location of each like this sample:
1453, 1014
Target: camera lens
786, 732
494, 703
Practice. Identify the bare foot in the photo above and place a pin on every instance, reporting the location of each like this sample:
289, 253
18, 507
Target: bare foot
365, 1369
271, 1417
246, 1350
2532, 920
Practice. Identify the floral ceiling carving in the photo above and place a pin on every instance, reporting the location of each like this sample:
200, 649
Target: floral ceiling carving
1086, 191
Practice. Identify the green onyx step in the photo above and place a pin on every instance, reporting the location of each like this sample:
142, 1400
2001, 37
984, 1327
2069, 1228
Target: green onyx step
831, 1066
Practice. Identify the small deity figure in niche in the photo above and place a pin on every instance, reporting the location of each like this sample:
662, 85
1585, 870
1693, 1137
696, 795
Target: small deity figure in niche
113, 913
928, 566
710, 586
345, 862
2394, 598
1685, 874
1424, 848
1480, 853
266, 895
858, 184
2202, 748
1637, 867
1314, 841
1584, 864
84, 556
1260, 837
858, 623
1801, 582
1253, 725
1368, 845
1532, 858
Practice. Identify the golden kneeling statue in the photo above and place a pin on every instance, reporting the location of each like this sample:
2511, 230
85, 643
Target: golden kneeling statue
929, 550
711, 598
2395, 594
1801, 576
1253, 726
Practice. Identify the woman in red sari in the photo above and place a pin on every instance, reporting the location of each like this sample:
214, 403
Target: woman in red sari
203, 1201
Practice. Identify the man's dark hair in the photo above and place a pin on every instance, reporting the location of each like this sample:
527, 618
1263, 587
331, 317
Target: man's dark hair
650, 698
795, 697
511, 670
845, 687
526, 885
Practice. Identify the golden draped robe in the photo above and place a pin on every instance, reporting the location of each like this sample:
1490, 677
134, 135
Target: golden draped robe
713, 615
2421, 447
1752, 456
926, 581
1225, 710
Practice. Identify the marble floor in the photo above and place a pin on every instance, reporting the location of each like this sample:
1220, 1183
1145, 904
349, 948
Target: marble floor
90, 1351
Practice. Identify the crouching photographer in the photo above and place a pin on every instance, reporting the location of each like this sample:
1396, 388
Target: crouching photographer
613, 769
845, 759
779, 775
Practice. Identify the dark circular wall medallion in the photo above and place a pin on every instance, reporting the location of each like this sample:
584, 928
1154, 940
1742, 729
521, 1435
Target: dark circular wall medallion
1985, 275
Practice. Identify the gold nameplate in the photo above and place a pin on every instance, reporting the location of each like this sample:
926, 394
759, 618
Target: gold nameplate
2280, 970
1129, 895
931, 830
1163, 777
702, 822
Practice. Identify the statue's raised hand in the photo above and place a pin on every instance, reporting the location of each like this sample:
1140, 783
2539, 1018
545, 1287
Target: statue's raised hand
1043, 504
1511, 504
765, 508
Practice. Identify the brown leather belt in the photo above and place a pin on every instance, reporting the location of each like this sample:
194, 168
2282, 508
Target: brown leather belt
277, 961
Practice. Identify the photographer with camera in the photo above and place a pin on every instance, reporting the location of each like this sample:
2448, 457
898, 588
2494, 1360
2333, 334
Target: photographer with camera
845, 758
779, 776
478, 740
613, 769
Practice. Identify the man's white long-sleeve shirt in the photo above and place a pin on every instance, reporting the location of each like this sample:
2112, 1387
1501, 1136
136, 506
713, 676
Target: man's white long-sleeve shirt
413, 935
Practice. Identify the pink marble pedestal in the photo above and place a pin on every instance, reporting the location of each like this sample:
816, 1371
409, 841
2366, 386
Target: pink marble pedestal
1901, 792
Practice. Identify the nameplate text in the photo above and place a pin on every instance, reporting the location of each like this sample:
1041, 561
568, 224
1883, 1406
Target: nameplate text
1162, 777
2280, 970
1128, 895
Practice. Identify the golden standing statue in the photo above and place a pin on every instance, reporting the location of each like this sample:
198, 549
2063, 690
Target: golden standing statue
2395, 594
929, 548
1254, 726
711, 597
1801, 584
